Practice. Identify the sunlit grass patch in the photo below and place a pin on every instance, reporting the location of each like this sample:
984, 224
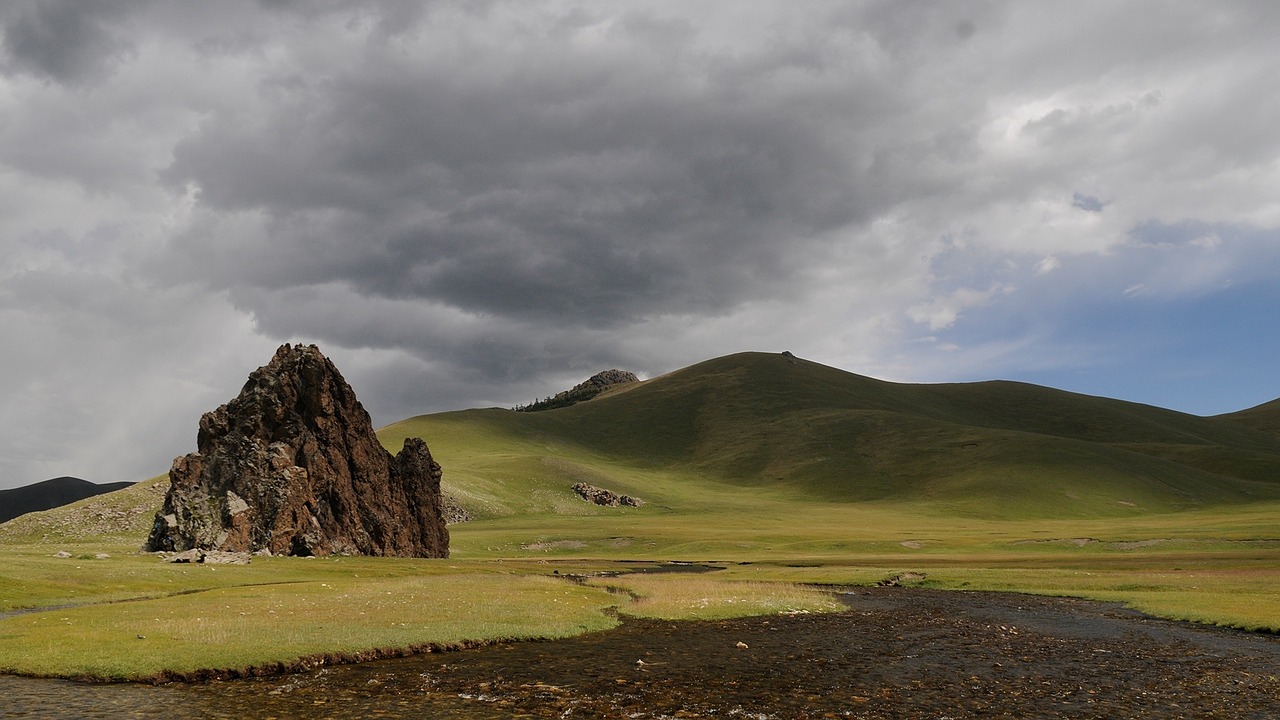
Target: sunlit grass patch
702, 597
1246, 598
244, 627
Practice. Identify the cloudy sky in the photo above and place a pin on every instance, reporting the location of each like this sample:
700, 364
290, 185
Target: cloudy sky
480, 203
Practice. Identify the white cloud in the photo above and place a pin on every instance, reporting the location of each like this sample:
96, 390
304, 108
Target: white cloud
942, 312
1209, 242
1048, 265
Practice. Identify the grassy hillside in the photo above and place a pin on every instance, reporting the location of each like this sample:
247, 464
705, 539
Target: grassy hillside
123, 516
1264, 418
775, 423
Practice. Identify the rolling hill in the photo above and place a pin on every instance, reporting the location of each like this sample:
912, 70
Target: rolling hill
50, 494
780, 424
1264, 418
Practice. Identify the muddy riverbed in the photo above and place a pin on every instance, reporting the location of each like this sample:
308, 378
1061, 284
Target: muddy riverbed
896, 653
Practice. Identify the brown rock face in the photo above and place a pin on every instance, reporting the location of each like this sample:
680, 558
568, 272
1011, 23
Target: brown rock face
291, 466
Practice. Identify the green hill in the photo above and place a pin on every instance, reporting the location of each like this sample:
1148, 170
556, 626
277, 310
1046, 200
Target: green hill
812, 432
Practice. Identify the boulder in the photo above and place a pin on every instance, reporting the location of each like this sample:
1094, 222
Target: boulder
292, 466
209, 557
607, 498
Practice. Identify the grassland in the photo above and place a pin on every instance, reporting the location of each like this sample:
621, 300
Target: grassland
782, 473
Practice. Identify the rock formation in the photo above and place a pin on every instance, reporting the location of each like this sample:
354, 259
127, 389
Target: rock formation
608, 498
605, 379
292, 466
208, 557
583, 391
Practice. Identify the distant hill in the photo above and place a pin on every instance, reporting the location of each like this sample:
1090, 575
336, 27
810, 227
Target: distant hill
990, 449
50, 494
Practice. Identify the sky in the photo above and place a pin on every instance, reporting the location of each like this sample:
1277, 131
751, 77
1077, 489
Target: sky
480, 203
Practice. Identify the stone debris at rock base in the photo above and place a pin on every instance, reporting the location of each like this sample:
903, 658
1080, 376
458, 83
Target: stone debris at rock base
208, 557
453, 511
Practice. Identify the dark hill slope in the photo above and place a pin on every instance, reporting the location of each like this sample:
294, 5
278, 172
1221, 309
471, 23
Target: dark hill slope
994, 449
50, 494
755, 387
1264, 418
762, 418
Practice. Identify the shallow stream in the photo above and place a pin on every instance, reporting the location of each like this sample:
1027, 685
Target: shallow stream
896, 653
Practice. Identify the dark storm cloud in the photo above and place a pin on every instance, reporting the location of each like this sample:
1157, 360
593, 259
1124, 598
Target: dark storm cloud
67, 41
581, 183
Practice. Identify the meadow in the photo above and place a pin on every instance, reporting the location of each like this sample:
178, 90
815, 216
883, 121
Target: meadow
783, 477
130, 616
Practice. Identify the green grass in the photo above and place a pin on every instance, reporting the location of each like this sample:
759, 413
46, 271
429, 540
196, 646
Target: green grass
1216, 567
236, 626
135, 617
1208, 566
780, 472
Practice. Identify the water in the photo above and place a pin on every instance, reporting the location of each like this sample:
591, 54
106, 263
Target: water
896, 653
326, 693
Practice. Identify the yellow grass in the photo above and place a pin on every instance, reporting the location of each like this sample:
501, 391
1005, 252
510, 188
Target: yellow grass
703, 597
244, 627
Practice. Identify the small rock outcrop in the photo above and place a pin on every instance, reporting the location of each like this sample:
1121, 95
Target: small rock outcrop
608, 498
453, 512
209, 557
606, 379
291, 466
583, 391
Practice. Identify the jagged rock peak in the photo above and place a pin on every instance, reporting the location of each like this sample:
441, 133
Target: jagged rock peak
583, 391
605, 379
292, 466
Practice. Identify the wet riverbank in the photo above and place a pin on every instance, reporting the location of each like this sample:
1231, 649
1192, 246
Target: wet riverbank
896, 653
